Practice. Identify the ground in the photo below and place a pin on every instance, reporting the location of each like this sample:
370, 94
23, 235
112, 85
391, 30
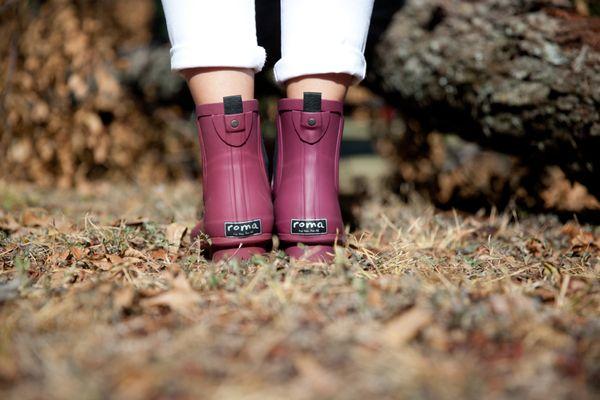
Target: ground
102, 295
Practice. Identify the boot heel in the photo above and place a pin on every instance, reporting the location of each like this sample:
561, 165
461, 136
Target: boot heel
239, 253
315, 253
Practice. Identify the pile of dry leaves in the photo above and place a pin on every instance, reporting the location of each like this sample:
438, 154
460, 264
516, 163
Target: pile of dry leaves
67, 114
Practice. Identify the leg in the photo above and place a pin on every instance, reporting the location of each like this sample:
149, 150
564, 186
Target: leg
214, 47
322, 54
331, 86
211, 84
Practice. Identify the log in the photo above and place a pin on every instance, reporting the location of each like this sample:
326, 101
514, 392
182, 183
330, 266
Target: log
518, 77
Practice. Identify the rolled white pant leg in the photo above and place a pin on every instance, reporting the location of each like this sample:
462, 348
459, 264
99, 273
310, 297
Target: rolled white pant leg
323, 36
213, 33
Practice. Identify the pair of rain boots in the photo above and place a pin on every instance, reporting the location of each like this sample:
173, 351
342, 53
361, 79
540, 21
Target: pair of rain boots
242, 209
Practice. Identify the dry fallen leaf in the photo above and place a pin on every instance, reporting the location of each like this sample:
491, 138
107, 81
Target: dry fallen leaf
180, 298
115, 259
8, 223
159, 254
405, 327
123, 298
131, 252
317, 377
103, 264
130, 221
34, 217
174, 233
78, 253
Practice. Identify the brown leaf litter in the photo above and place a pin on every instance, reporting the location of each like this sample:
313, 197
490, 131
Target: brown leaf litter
103, 295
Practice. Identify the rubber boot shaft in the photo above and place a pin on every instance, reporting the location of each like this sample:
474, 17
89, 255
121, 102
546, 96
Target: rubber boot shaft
238, 210
305, 183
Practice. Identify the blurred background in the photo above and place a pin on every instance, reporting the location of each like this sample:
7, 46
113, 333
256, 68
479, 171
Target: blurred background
474, 105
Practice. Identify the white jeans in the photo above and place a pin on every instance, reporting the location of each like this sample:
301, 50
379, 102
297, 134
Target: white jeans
317, 36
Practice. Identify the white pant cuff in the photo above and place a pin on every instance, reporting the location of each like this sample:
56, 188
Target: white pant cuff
236, 56
327, 61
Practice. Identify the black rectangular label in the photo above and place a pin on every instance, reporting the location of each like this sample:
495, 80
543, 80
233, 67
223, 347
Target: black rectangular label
244, 228
312, 102
233, 104
309, 226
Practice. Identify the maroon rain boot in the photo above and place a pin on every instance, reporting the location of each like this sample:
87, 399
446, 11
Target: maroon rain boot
308, 219
238, 211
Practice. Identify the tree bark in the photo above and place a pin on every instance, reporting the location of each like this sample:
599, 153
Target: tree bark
521, 77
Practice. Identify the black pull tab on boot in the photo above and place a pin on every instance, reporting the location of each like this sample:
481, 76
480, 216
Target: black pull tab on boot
233, 104
312, 102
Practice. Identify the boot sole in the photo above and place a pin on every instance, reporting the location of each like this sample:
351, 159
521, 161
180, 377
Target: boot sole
238, 253
230, 247
318, 253
256, 240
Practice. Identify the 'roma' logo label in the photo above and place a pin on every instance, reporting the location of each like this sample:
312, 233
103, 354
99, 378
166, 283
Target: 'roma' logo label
309, 226
241, 229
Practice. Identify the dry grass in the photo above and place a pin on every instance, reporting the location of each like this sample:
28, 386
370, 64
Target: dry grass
99, 298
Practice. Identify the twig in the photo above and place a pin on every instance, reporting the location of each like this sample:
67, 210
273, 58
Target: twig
560, 300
